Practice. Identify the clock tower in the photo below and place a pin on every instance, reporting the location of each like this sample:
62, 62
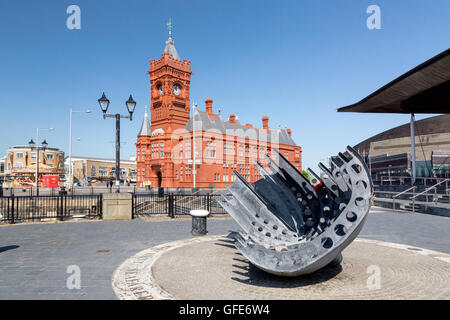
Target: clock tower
169, 89
166, 157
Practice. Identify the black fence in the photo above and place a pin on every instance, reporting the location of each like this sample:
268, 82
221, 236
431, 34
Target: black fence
91, 190
25, 208
47, 208
174, 204
98, 189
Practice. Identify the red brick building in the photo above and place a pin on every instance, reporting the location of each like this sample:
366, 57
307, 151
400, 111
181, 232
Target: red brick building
165, 145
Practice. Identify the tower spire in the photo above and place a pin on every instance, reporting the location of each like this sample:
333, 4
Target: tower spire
145, 127
170, 46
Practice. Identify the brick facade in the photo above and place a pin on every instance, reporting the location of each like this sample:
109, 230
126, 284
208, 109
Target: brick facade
164, 148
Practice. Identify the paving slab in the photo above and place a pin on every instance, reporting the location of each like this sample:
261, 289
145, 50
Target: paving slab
35, 256
216, 270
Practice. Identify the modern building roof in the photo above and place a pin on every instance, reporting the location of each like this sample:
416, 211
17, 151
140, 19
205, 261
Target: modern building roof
423, 89
204, 122
145, 127
432, 125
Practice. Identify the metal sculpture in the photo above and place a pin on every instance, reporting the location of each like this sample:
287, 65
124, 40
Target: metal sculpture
291, 226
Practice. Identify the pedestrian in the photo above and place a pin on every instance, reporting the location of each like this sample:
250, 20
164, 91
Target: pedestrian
149, 184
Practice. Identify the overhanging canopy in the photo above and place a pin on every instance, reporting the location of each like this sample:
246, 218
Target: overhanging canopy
424, 89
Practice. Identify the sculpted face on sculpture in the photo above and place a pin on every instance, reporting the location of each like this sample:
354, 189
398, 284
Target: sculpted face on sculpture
291, 226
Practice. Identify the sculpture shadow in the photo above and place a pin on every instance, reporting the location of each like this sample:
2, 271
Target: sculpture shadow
251, 275
6, 248
247, 273
228, 244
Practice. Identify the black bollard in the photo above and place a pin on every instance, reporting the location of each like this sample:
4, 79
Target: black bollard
199, 222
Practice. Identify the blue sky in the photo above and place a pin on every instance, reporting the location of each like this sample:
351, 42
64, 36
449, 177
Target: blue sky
295, 61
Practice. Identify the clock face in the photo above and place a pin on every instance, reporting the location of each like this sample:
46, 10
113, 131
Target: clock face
176, 89
160, 90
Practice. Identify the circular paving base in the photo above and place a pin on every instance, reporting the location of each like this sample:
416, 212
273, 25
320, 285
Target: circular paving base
212, 268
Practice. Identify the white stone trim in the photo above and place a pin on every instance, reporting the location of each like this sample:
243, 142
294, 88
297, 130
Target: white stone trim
133, 279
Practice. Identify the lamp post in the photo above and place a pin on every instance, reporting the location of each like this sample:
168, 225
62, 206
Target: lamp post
104, 104
70, 182
413, 150
194, 166
37, 147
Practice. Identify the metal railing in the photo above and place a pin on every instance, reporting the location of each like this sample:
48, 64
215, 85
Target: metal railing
401, 193
64, 206
390, 179
407, 179
149, 204
43, 208
89, 190
425, 192
447, 194
97, 189
175, 204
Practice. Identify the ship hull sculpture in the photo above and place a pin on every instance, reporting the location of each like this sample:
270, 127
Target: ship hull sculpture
291, 226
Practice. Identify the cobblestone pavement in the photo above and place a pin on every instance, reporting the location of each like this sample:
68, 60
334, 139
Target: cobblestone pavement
34, 257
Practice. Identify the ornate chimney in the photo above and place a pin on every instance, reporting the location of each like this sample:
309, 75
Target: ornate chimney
265, 122
209, 111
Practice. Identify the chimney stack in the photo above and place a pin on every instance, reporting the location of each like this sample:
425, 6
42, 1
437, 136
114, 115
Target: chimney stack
289, 131
232, 118
265, 122
208, 103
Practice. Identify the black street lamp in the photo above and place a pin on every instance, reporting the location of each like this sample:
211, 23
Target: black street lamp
38, 147
32, 144
104, 105
131, 104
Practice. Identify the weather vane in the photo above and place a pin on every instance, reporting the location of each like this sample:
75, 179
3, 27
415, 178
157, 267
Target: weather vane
169, 27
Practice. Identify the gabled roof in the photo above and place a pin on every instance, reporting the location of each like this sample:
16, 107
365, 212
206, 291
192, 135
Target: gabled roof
204, 122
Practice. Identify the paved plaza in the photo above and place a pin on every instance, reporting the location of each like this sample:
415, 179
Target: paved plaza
34, 257
404, 273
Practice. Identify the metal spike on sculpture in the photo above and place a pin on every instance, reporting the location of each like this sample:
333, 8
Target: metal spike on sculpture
291, 226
